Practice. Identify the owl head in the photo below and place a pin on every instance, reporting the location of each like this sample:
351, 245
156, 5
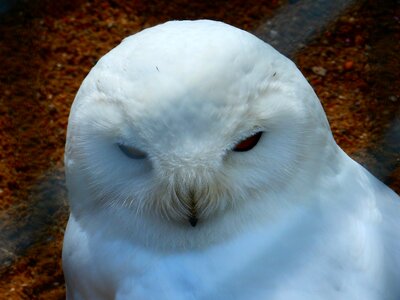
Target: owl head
186, 121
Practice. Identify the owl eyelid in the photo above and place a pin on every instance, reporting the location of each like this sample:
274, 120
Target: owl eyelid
131, 152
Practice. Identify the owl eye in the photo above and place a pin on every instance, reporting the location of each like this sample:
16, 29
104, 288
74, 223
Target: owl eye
248, 144
132, 152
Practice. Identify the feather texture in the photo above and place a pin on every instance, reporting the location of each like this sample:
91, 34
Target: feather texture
292, 217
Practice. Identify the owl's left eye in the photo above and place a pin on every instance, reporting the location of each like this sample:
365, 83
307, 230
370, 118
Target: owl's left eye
132, 152
248, 143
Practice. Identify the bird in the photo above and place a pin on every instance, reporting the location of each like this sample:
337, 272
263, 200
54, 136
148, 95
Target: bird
200, 165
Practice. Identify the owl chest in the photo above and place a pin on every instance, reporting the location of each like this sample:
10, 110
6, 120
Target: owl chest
294, 262
243, 272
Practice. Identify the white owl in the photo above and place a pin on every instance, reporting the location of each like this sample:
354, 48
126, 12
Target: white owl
200, 165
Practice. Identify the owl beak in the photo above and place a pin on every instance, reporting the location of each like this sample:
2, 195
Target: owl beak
193, 221
193, 212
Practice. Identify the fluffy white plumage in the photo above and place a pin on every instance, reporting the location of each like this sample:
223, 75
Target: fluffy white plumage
150, 151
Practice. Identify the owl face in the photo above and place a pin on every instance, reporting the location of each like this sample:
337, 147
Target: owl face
187, 120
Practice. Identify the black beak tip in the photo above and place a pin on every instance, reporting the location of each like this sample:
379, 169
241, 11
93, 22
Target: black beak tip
193, 221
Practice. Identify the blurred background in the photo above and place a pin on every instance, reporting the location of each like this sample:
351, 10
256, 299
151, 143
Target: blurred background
347, 49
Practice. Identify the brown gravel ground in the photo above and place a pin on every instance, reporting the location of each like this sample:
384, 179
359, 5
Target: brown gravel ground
47, 47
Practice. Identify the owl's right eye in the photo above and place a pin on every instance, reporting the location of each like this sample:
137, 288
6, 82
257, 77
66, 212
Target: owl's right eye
248, 143
132, 152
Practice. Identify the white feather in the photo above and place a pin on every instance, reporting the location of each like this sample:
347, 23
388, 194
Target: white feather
293, 218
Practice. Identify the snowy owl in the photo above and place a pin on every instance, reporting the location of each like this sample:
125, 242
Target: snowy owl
200, 165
